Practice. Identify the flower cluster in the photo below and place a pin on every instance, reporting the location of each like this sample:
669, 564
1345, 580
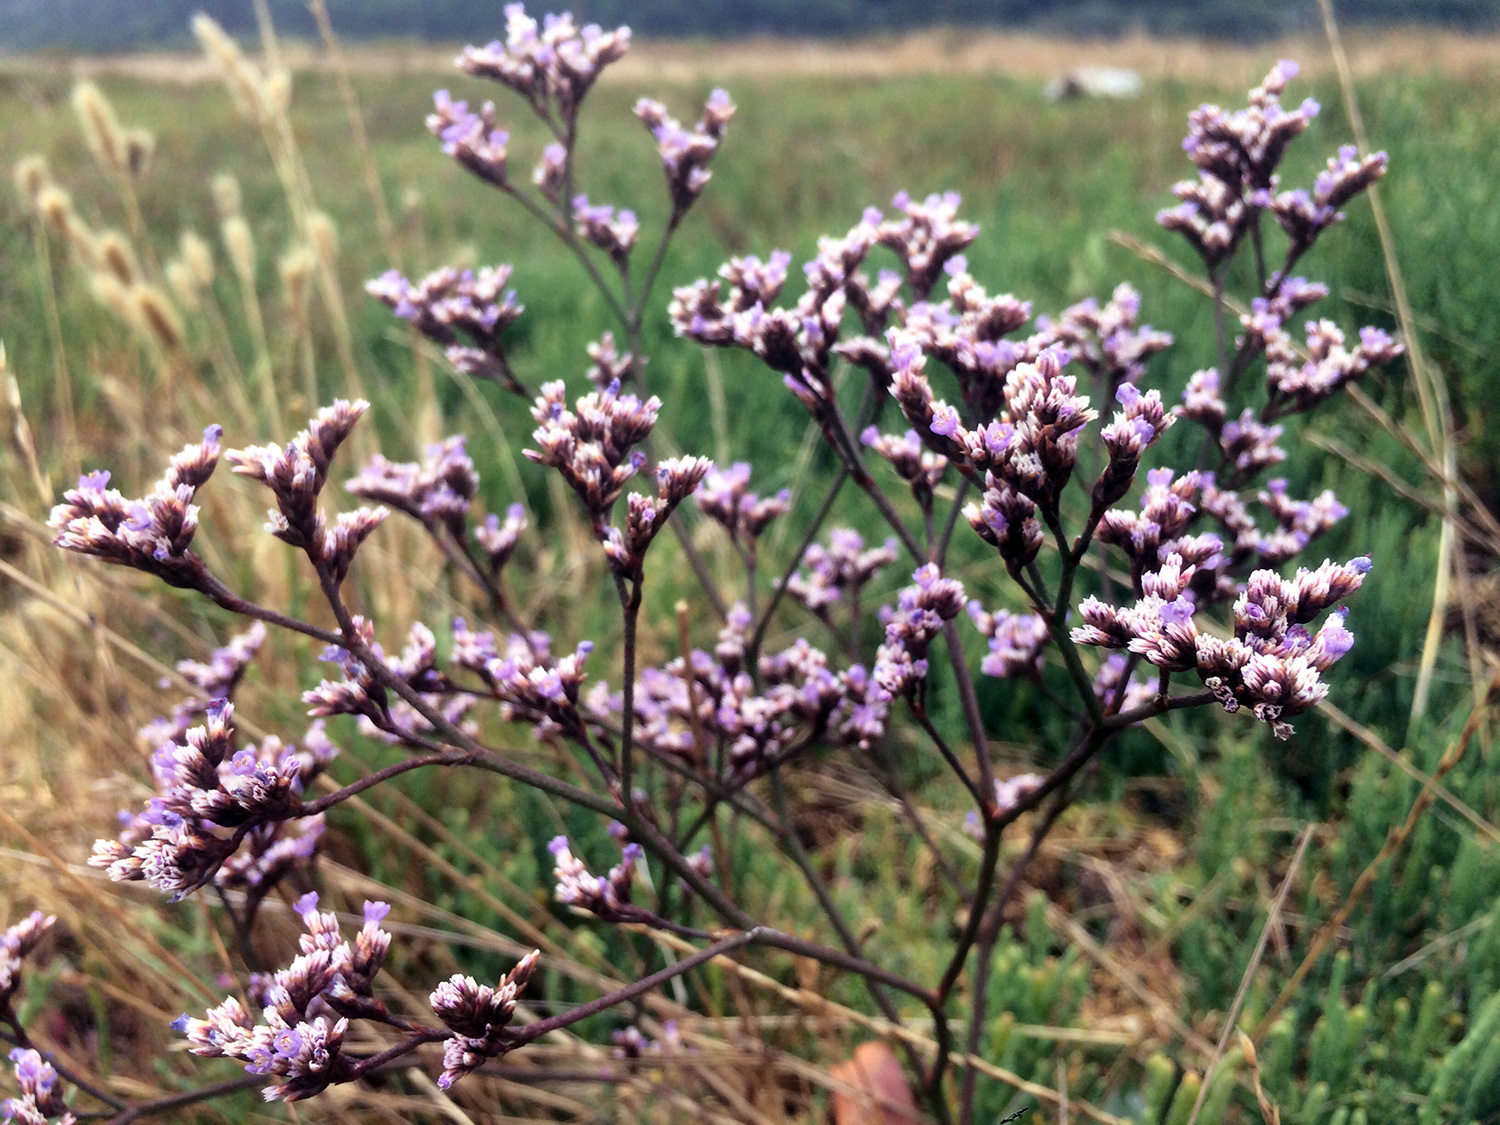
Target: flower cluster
498, 540
927, 235
966, 332
676, 479
685, 154
724, 498
215, 679
1297, 385
1272, 664
1303, 214
437, 492
463, 312
919, 615
920, 468
1016, 642
309, 1004
471, 137
608, 364
802, 342
605, 896
15, 943
360, 693
551, 65
1016, 428
1107, 340
838, 570
530, 685
712, 700
296, 474
592, 446
151, 534
41, 1094
1237, 154
601, 226
479, 1015
1032, 448
212, 797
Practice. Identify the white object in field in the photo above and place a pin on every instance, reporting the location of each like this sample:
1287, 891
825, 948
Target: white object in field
1094, 82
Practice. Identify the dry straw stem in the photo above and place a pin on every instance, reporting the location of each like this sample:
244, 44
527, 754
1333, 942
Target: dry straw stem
814, 1003
1394, 839
117, 257
1432, 395
336, 63
122, 154
266, 105
1489, 832
1269, 1112
20, 431
1230, 1020
101, 129
239, 247
1161, 1009
32, 180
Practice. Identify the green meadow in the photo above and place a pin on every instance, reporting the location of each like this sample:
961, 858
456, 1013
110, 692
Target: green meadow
1146, 913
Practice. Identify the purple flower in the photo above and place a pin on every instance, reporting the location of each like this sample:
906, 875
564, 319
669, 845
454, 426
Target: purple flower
296, 475
295, 1041
478, 1015
723, 498
685, 154
918, 617
551, 66
1016, 642
1107, 340
925, 237
551, 173
437, 492
15, 943
607, 897
591, 446
151, 534
41, 1094
600, 226
498, 540
221, 812
840, 569
1270, 665
215, 679
463, 312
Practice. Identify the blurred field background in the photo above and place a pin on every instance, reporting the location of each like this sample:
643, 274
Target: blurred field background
1147, 909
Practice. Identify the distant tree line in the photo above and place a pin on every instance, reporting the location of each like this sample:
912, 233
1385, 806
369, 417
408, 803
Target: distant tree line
121, 25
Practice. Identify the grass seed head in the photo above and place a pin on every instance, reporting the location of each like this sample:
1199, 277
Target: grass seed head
101, 129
